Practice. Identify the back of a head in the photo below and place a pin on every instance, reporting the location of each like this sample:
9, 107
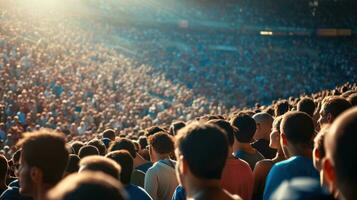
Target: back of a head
123, 144
73, 164
246, 127
125, 160
175, 127
227, 127
298, 128
102, 164
281, 108
335, 106
87, 150
100, 146
88, 186
152, 130
45, 149
162, 143
109, 133
76, 146
353, 99
340, 145
306, 105
205, 148
4, 166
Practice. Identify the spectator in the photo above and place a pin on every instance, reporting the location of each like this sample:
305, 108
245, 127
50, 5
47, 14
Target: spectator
331, 108
339, 163
125, 160
160, 179
297, 133
242, 148
89, 186
200, 166
264, 123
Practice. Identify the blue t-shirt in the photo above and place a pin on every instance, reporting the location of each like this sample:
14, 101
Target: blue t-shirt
296, 166
179, 193
136, 193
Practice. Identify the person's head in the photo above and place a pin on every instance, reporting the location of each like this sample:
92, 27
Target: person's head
201, 152
246, 128
227, 127
275, 133
43, 160
100, 163
100, 146
89, 186
152, 130
306, 105
87, 150
109, 133
331, 108
175, 127
4, 166
161, 146
353, 99
125, 160
296, 133
143, 142
264, 123
123, 144
76, 146
340, 163
73, 164
281, 108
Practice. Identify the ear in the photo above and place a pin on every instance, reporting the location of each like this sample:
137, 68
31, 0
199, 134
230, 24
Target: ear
283, 140
36, 174
329, 118
316, 153
329, 173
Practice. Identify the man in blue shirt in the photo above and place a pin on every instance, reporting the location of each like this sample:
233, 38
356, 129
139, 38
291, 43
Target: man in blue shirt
297, 133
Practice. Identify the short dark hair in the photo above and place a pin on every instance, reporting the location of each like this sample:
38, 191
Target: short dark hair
143, 142
45, 149
88, 186
246, 127
109, 133
298, 127
4, 166
281, 108
152, 130
76, 145
100, 146
227, 127
123, 144
73, 163
335, 105
175, 126
125, 160
344, 137
306, 105
162, 142
205, 148
87, 150
102, 164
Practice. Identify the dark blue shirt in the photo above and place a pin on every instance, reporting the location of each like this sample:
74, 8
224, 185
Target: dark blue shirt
137, 193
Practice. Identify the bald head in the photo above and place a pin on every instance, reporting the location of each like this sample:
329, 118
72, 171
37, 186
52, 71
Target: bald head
264, 123
341, 154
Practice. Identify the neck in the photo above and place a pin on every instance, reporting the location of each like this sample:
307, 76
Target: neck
40, 192
300, 151
160, 157
138, 160
279, 156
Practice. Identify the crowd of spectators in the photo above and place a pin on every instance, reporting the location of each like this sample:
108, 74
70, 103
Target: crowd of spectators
79, 120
